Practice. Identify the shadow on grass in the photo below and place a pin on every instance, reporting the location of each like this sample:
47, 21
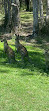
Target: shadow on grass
2, 31
2, 71
36, 62
2, 54
27, 74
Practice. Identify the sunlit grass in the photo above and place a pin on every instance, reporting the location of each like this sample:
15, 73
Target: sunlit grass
26, 17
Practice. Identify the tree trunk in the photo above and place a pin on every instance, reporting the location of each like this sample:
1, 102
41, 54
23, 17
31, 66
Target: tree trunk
6, 13
5, 7
47, 15
35, 18
30, 5
20, 3
9, 11
15, 16
8, 25
47, 7
41, 11
27, 5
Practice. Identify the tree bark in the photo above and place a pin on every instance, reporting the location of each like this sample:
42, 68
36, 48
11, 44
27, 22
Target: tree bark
41, 11
5, 7
47, 7
27, 5
15, 16
47, 14
6, 13
20, 3
35, 17
9, 11
30, 8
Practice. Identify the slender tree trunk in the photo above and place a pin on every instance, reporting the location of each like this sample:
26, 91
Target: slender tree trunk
6, 13
5, 7
27, 5
47, 7
20, 3
41, 11
30, 8
35, 17
47, 14
8, 25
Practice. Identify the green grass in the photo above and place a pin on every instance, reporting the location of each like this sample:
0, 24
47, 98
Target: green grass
24, 87
26, 17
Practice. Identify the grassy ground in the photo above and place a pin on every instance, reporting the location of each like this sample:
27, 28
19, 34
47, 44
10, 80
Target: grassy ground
24, 87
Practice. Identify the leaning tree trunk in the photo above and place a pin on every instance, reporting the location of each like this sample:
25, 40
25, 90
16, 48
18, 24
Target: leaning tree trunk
35, 18
15, 16
41, 11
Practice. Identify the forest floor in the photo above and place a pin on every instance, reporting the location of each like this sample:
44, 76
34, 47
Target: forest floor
26, 23
25, 87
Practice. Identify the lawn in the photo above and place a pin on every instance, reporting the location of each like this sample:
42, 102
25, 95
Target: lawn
24, 87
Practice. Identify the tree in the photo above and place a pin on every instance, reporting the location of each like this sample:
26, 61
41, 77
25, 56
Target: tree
7, 9
47, 14
20, 3
30, 5
11, 8
41, 11
15, 16
35, 18
27, 4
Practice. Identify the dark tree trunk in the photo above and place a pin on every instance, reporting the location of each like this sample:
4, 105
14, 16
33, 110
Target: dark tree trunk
6, 13
20, 3
5, 7
9, 11
27, 5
